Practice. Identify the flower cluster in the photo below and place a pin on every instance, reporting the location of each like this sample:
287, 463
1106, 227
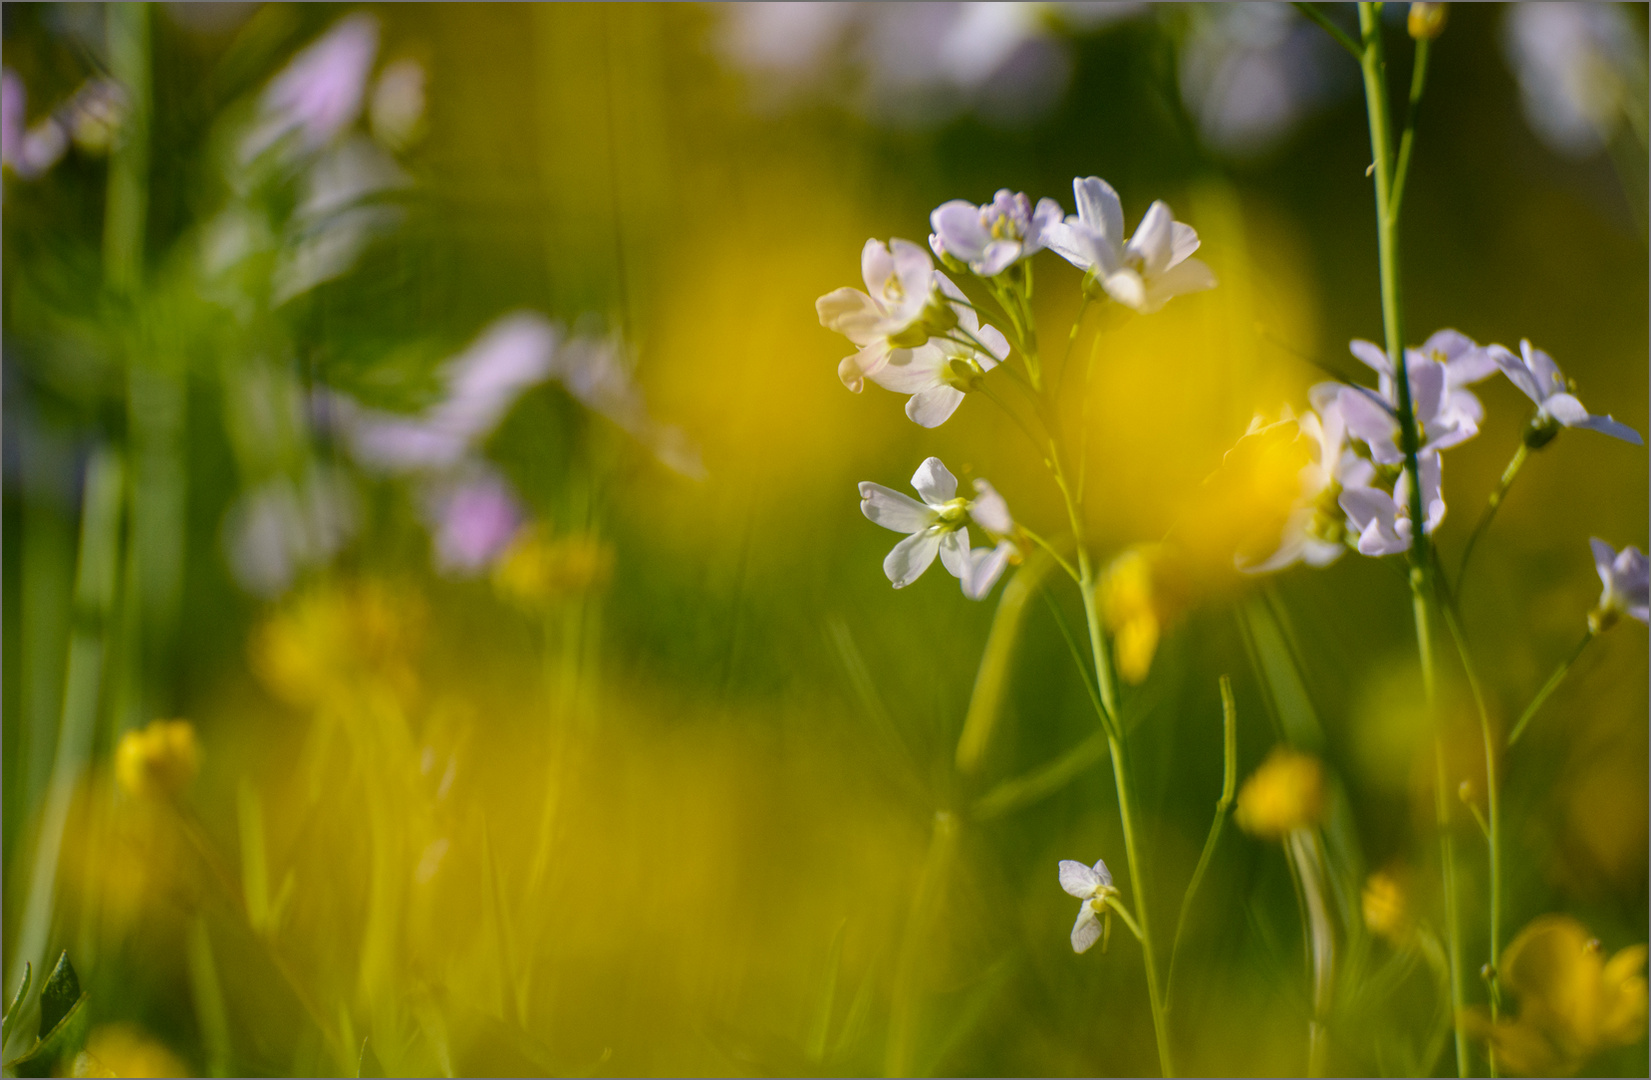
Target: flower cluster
917, 333
1356, 491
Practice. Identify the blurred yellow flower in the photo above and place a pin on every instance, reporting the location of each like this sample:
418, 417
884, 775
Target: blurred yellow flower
336, 638
1573, 1003
1285, 793
125, 1050
1427, 21
1131, 610
162, 759
538, 569
1386, 908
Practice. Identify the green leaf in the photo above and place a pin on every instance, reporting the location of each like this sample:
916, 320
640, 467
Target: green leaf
11, 1010
59, 996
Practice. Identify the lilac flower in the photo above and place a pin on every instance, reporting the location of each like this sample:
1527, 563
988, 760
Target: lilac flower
939, 526
1093, 885
29, 152
892, 315
1576, 65
473, 521
1143, 272
1313, 531
1439, 372
320, 91
1536, 374
1382, 519
992, 237
1627, 580
938, 374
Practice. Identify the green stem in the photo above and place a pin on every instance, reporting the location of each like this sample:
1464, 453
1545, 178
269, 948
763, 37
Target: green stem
1229, 787
1550, 686
1317, 16
1492, 504
1114, 904
1418, 82
1373, 63
903, 1012
1126, 813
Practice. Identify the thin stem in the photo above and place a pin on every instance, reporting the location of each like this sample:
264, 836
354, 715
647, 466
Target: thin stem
1418, 82
1126, 813
1045, 545
1115, 904
1317, 16
1550, 686
1453, 937
1492, 504
1229, 786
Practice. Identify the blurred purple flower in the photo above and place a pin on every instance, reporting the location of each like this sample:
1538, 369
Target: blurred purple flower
473, 521
27, 151
1627, 580
993, 236
1580, 67
320, 91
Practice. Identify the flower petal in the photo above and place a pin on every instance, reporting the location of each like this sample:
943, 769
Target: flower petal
990, 511
1614, 428
958, 225
986, 565
892, 510
910, 371
954, 555
911, 556
934, 482
1189, 276
1103, 873
1099, 208
1604, 556
934, 406
1152, 240
1514, 368
1077, 879
876, 265
1086, 931
1370, 354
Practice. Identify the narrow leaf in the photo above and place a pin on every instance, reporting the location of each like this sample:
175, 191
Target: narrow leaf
11, 1010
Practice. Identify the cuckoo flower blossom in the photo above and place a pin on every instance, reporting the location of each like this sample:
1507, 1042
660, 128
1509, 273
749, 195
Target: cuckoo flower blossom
1382, 520
1536, 374
1144, 271
1446, 412
993, 236
897, 313
938, 374
1627, 580
1093, 885
320, 93
939, 525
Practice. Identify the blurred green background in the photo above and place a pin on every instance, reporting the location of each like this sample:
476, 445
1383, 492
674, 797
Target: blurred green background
679, 817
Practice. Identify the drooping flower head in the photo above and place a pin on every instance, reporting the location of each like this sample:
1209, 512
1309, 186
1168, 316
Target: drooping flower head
899, 311
1540, 379
939, 373
939, 526
990, 238
1093, 885
1144, 271
1626, 576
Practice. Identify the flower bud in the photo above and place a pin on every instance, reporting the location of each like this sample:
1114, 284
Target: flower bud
161, 760
1427, 21
1385, 910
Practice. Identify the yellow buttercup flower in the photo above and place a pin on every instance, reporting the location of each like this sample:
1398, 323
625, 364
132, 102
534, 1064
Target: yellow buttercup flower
334, 640
538, 569
1573, 1002
1130, 610
1284, 794
1386, 908
161, 759
125, 1050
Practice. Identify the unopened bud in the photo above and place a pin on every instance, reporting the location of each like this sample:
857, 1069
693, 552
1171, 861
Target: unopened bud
1540, 431
1427, 21
1465, 791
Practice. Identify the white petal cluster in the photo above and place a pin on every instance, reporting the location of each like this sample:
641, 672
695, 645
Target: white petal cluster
1144, 271
994, 236
1626, 576
1093, 885
939, 526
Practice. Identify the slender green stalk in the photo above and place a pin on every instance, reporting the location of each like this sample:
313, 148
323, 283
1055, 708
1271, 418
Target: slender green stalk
903, 1012
1418, 83
1126, 814
1388, 183
1229, 788
1492, 504
1312, 12
1550, 686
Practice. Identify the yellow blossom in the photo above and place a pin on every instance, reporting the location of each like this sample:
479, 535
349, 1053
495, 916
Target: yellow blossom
1427, 21
162, 759
1386, 909
537, 568
1131, 610
125, 1050
334, 640
1285, 793
1573, 1002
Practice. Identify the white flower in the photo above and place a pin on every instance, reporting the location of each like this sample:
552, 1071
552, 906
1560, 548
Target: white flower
938, 374
1536, 374
1092, 885
1143, 272
1627, 580
993, 236
892, 316
1576, 65
1312, 532
939, 525
1381, 519
1446, 412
